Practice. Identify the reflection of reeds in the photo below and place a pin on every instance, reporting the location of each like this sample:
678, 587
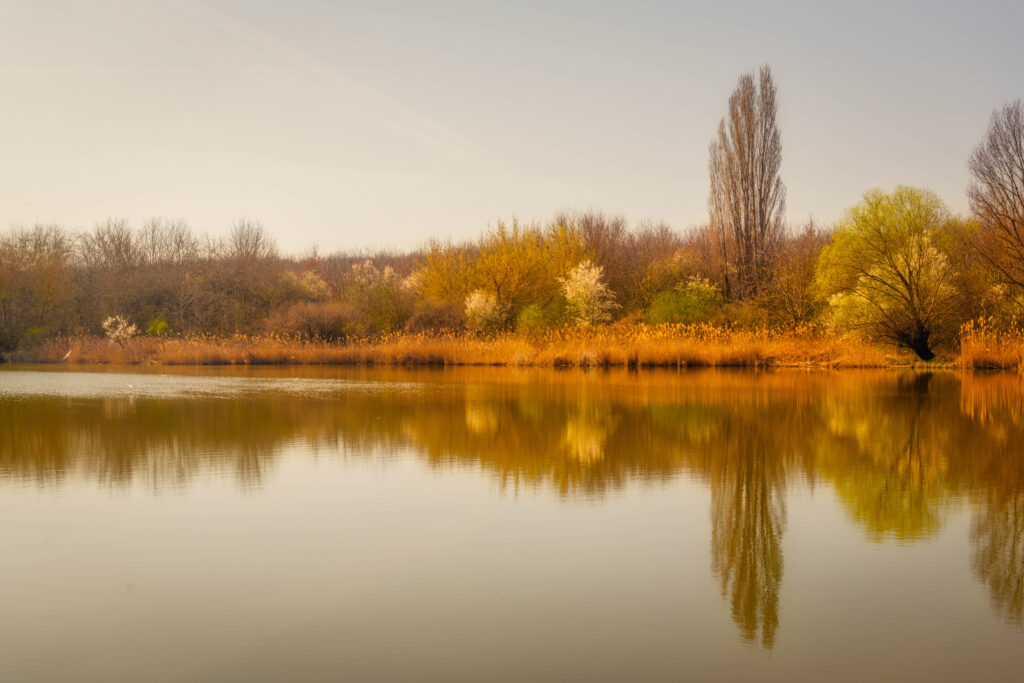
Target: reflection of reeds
636, 345
996, 399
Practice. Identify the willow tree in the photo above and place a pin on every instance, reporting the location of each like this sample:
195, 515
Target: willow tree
747, 196
996, 194
887, 270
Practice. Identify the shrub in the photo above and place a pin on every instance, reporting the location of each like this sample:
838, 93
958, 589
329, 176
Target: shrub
34, 335
694, 301
158, 327
381, 297
118, 329
429, 316
668, 307
536, 318
330, 320
587, 297
484, 315
530, 320
304, 286
747, 315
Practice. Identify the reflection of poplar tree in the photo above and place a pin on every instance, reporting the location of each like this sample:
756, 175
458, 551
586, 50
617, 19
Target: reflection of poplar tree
747, 516
997, 535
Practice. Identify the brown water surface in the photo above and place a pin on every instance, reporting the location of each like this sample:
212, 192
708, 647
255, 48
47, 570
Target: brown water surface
493, 524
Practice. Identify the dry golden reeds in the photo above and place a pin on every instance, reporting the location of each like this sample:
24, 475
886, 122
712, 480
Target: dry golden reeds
983, 346
626, 345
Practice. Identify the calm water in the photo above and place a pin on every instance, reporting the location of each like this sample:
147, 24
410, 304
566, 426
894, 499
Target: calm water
322, 524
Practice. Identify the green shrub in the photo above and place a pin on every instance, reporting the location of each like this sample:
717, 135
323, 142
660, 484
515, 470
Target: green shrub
33, 335
531, 320
693, 301
536, 318
158, 327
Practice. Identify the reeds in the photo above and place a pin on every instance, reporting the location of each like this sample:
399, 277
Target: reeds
632, 345
984, 346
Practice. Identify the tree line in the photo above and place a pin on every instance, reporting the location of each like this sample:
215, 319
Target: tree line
898, 267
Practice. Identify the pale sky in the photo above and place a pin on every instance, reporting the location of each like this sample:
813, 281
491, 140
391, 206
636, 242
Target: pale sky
385, 123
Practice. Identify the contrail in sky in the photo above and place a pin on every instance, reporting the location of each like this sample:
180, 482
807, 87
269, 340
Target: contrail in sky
399, 118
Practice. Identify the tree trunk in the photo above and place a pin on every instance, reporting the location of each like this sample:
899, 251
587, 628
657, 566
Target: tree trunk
919, 345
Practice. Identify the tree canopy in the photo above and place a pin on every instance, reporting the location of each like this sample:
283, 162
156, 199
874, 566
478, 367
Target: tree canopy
887, 272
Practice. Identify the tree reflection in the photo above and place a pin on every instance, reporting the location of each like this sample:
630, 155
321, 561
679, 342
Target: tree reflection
586, 431
885, 460
747, 519
898, 450
997, 534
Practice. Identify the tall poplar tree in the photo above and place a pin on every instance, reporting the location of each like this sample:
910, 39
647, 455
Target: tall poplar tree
747, 199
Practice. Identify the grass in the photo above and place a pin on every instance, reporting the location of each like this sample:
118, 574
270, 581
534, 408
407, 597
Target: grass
983, 346
635, 345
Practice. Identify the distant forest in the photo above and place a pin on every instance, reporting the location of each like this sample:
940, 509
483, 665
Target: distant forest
898, 267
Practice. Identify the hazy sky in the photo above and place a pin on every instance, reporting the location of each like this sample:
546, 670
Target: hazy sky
373, 123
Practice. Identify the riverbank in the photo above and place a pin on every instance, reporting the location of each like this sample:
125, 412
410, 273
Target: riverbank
618, 346
612, 346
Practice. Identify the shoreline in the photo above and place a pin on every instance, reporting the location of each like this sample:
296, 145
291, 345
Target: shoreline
638, 347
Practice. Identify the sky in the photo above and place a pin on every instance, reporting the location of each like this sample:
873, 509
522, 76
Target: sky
351, 125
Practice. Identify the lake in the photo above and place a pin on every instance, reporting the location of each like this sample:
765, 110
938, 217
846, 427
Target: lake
330, 524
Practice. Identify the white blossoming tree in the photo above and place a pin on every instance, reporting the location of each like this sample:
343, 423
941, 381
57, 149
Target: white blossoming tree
588, 299
484, 315
118, 329
379, 296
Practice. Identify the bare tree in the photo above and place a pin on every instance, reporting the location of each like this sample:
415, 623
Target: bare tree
249, 241
111, 245
654, 264
246, 273
171, 283
168, 243
603, 240
109, 269
996, 194
790, 296
35, 275
747, 197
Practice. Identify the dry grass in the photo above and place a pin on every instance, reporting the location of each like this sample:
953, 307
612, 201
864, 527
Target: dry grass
984, 346
706, 346
619, 345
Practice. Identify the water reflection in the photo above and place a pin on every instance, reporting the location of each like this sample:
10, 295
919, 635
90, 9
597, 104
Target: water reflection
899, 451
997, 535
748, 515
892, 453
